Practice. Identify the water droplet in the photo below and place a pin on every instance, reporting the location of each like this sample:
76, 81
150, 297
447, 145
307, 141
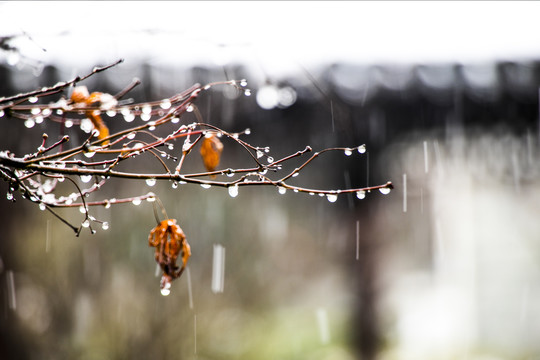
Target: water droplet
218, 269
152, 125
33, 99
296, 173
136, 201
145, 117
2, 113
165, 104
146, 109
170, 146
189, 108
129, 117
206, 186
107, 204
86, 223
247, 92
174, 185
151, 182
9, 196
247, 131
38, 119
362, 149
89, 154
42, 206
311, 193
29, 123
233, 190
385, 190
68, 123
111, 113
175, 120
82, 209
243, 83
270, 159
331, 197
348, 152
259, 154
105, 225
282, 190
86, 178
361, 194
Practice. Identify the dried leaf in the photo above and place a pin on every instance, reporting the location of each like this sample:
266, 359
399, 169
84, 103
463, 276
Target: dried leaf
82, 99
170, 242
211, 149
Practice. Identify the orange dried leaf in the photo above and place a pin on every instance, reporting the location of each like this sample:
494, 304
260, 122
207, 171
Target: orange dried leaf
80, 94
170, 242
82, 98
211, 149
99, 125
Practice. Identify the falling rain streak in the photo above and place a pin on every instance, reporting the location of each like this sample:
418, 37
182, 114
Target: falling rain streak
190, 291
322, 322
357, 239
426, 163
12, 298
404, 192
218, 269
195, 334
48, 237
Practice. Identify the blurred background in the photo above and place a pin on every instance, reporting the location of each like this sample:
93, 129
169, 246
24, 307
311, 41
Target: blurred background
446, 266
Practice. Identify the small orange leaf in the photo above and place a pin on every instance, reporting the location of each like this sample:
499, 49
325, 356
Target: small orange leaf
211, 149
79, 94
82, 98
99, 125
170, 242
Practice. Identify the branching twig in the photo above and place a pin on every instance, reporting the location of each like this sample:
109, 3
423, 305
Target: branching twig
26, 173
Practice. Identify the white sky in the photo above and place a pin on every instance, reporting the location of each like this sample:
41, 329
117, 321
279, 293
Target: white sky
276, 35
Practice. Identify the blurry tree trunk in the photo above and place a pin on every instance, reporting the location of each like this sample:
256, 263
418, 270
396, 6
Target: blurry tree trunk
365, 333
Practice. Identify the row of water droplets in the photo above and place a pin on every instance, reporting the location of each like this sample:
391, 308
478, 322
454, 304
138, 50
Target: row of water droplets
233, 189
